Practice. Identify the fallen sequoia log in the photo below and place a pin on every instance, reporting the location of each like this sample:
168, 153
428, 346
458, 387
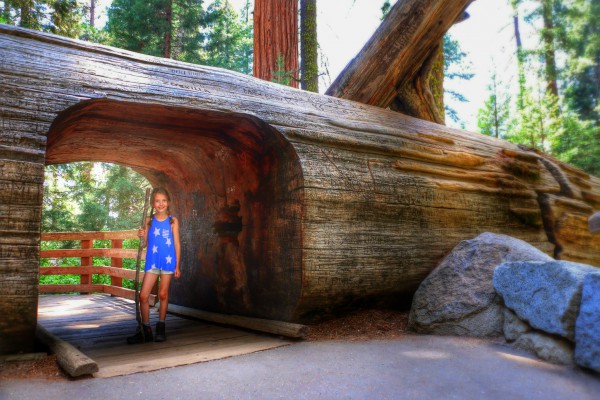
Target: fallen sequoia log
393, 67
292, 204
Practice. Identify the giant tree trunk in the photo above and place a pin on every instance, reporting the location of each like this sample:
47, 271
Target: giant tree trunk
276, 38
399, 55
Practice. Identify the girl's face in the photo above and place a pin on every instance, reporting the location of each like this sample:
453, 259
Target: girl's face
160, 202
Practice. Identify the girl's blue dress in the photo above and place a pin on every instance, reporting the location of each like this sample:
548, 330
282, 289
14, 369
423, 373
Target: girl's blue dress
160, 253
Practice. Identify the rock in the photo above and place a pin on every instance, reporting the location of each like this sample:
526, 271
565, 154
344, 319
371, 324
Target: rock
546, 347
513, 326
545, 294
587, 326
457, 298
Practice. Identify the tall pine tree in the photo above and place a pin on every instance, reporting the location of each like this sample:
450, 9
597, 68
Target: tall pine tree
164, 28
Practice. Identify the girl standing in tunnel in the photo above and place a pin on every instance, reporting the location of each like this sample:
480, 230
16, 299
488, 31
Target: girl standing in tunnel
161, 236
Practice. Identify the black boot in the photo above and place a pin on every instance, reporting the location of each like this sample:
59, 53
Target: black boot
143, 335
160, 332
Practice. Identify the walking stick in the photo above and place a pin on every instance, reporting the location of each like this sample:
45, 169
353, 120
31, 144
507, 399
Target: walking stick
136, 283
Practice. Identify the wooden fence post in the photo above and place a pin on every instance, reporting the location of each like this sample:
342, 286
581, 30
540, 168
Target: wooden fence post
116, 262
86, 262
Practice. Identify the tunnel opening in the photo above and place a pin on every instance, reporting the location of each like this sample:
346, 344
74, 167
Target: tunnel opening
236, 186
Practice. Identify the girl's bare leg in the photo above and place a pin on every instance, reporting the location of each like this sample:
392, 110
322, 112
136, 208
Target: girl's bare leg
163, 296
147, 285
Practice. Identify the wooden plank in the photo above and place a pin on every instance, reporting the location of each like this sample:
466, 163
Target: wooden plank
189, 341
112, 235
222, 350
100, 269
192, 339
70, 288
63, 253
117, 263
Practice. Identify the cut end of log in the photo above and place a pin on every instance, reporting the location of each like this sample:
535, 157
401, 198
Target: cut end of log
71, 360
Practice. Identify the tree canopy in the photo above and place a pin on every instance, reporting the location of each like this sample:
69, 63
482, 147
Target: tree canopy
556, 108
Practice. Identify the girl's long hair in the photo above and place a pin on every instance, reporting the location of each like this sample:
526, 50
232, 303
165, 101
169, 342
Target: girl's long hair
155, 191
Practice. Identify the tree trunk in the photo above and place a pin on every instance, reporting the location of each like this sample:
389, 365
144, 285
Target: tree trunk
422, 97
308, 45
520, 57
168, 29
26, 15
549, 51
92, 12
398, 53
276, 37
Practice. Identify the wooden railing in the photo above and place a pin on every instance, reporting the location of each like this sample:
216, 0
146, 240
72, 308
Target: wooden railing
86, 268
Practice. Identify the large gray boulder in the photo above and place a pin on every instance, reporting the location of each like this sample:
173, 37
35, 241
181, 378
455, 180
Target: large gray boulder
553, 349
513, 326
587, 326
545, 294
457, 298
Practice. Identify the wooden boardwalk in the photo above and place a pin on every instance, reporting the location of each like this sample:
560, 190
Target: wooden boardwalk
98, 325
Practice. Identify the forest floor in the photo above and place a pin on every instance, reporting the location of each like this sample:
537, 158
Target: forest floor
357, 326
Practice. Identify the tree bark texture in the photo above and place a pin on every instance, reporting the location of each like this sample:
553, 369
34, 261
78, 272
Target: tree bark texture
549, 52
308, 46
417, 98
275, 37
168, 29
397, 52
92, 13
292, 205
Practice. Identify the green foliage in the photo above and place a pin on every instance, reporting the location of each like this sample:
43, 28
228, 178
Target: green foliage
538, 123
494, 118
91, 197
227, 38
581, 42
385, 9
95, 35
280, 75
567, 126
62, 17
138, 25
66, 18
456, 68
579, 143
309, 66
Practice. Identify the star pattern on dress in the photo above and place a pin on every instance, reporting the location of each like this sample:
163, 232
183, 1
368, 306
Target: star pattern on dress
168, 258
168, 242
154, 249
156, 231
153, 266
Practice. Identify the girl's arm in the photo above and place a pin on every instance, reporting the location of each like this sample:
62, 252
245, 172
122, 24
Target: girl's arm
177, 246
